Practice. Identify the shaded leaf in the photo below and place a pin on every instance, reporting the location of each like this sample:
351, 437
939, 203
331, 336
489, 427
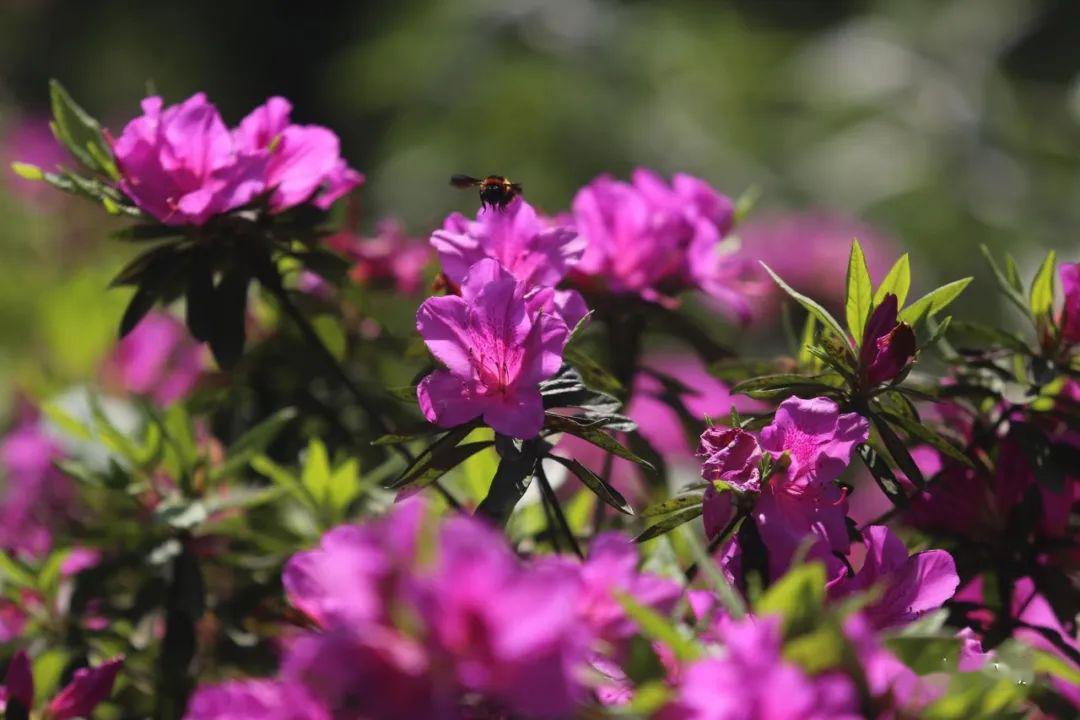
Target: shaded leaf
811, 306
594, 482
671, 505
669, 523
592, 432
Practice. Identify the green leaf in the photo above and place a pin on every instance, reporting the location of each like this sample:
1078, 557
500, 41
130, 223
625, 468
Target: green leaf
934, 301
316, 474
594, 482
511, 480
811, 306
920, 431
797, 597
255, 441
724, 590
345, 486
594, 375
818, 650
1011, 292
592, 432
283, 478
1042, 288
432, 466
785, 381
27, 171
669, 506
859, 295
883, 475
16, 572
658, 628
898, 451
669, 523
80, 133
926, 654
897, 282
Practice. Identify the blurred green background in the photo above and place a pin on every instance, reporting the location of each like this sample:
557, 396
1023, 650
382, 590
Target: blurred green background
944, 124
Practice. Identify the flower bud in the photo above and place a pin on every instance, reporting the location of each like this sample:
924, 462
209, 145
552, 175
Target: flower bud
888, 345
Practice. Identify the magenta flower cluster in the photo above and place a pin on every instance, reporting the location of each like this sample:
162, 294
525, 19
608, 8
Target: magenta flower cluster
415, 619
183, 166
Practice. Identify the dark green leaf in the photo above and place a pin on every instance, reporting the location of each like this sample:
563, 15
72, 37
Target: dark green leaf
227, 333
899, 452
669, 523
671, 505
921, 432
512, 479
594, 482
437, 456
591, 432
592, 373
883, 475
144, 299
200, 297
80, 133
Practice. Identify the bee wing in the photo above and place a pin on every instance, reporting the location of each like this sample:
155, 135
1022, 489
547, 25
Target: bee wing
516, 187
464, 181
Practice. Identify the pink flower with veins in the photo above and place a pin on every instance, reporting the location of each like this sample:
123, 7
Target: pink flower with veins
181, 165
536, 252
497, 346
818, 440
304, 161
908, 587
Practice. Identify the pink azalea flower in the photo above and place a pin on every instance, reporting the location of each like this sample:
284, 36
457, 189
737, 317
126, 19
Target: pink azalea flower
1070, 312
801, 506
304, 161
35, 496
181, 165
908, 586
88, 688
612, 567
888, 345
533, 251
654, 240
497, 348
159, 359
255, 700
752, 680
818, 440
731, 455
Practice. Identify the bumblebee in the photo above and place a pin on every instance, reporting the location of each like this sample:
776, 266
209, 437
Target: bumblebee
495, 191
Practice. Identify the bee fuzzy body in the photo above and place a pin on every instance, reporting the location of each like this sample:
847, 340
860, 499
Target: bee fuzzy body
496, 191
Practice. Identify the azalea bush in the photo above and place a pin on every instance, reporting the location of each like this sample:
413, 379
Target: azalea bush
529, 464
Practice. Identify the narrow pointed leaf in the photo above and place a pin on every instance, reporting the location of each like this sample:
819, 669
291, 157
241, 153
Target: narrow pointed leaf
897, 282
811, 306
859, 295
1042, 287
670, 523
594, 482
934, 301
